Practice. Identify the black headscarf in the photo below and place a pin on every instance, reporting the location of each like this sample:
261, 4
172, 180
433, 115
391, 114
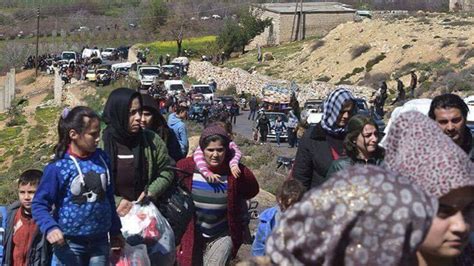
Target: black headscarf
116, 116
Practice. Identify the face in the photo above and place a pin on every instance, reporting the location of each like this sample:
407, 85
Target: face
26, 194
452, 122
367, 140
134, 116
183, 115
345, 114
146, 119
214, 153
86, 142
449, 232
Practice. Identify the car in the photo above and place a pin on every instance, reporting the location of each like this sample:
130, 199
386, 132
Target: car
108, 52
169, 71
90, 75
227, 101
313, 111
203, 89
272, 116
215, 16
174, 87
102, 76
147, 74
70, 56
196, 111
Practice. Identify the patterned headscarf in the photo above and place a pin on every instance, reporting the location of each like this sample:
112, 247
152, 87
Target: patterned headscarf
361, 216
332, 107
417, 148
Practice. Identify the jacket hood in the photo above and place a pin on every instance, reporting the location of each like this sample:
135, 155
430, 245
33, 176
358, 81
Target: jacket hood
174, 120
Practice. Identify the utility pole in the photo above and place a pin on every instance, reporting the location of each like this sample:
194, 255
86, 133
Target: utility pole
301, 32
37, 40
294, 20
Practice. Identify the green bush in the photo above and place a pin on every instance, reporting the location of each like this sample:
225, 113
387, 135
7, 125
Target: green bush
359, 50
371, 63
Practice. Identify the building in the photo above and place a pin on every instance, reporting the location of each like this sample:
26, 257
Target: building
315, 18
461, 5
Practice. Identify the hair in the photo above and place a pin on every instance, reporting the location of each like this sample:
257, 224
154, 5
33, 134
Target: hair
30, 177
181, 108
289, 192
445, 101
226, 125
72, 120
158, 124
213, 138
355, 126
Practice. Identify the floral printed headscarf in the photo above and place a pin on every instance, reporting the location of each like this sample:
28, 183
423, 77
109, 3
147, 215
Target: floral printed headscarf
417, 148
361, 216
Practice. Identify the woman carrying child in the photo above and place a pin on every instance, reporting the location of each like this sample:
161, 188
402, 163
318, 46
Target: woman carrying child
78, 184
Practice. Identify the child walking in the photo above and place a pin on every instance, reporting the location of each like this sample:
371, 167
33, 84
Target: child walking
78, 184
287, 194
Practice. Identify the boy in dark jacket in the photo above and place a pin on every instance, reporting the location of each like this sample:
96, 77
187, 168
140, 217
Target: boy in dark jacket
23, 243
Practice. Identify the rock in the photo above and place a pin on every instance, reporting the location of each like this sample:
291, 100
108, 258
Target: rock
235, 55
268, 56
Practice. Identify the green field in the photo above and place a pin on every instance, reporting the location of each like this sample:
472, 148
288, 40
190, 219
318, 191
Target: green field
197, 45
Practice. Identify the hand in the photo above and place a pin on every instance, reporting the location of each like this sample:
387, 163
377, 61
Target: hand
124, 207
56, 237
142, 196
235, 170
215, 178
117, 242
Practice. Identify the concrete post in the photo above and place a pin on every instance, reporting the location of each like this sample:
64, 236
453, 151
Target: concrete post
58, 87
2, 100
12, 83
7, 96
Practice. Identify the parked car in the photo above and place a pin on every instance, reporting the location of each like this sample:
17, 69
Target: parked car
103, 76
313, 111
70, 56
147, 74
90, 75
173, 87
203, 89
108, 53
272, 116
227, 101
169, 71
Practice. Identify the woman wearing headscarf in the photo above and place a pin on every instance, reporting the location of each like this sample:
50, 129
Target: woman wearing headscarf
323, 143
360, 144
138, 157
153, 120
418, 149
361, 216
216, 232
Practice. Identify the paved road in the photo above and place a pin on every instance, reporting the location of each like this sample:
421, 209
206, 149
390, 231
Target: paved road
244, 127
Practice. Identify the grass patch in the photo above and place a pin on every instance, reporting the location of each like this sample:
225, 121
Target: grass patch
359, 50
355, 71
170, 47
323, 79
3, 116
29, 80
9, 133
371, 63
406, 46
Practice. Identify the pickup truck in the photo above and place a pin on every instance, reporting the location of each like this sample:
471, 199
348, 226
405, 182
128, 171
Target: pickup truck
147, 74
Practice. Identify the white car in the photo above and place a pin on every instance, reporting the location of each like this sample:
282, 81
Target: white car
107, 52
174, 87
147, 74
215, 16
205, 90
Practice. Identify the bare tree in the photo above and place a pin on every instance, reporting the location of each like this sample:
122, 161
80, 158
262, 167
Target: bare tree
179, 24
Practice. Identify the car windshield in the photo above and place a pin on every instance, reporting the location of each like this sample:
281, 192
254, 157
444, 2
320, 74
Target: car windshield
273, 117
203, 90
227, 100
109, 50
176, 87
101, 71
68, 56
150, 71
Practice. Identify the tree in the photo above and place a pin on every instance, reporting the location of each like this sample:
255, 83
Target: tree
155, 14
236, 35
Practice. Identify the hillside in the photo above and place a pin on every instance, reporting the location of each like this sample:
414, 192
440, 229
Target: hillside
367, 52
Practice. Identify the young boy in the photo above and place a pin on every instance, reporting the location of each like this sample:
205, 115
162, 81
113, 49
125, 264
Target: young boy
287, 194
23, 242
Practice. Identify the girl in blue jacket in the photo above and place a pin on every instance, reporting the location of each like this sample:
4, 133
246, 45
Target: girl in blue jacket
79, 186
287, 194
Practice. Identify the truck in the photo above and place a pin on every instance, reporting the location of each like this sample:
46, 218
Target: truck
70, 56
146, 74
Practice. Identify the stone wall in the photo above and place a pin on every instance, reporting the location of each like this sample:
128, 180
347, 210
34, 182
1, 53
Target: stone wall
7, 92
253, 83
461, 5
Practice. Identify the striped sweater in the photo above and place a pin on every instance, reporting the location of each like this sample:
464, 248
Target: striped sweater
210, 200
201, 164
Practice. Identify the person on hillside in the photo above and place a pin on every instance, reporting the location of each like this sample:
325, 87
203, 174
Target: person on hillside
263, 125
160, 60
355, 218
413, 83
450, 113
23, 243
139, 158
253, 105
176, 123
78, 183
401, 92
418, 149
153, 120
215, 239
234, 112
360, 144
287, 194
279, 126
323, 143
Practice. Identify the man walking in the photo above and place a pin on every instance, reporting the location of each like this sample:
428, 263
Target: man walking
253, 108
175, 122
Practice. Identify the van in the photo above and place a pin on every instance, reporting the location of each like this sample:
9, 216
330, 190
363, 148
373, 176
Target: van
174, 87
70, 56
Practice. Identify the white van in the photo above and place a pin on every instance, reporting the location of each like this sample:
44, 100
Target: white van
174, 87
70, 56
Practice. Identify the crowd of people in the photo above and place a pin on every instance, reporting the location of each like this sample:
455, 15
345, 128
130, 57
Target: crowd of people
347, 200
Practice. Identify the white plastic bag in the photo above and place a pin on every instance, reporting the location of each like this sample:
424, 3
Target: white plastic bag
144, 224
130, 256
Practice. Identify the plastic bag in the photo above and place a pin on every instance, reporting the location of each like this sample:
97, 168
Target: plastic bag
130, 256
144, 224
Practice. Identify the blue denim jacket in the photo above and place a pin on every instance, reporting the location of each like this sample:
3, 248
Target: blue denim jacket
268, 220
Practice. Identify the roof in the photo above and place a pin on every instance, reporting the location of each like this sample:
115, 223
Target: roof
308, 7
